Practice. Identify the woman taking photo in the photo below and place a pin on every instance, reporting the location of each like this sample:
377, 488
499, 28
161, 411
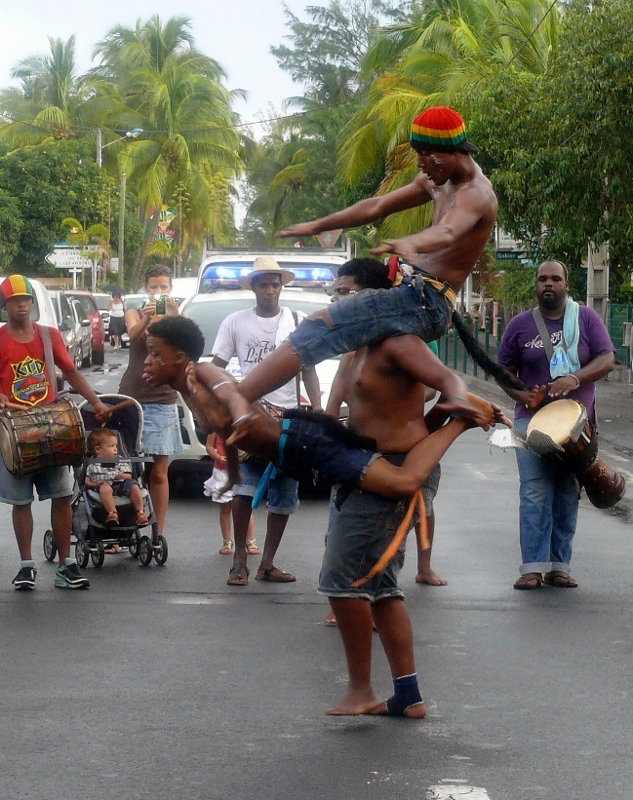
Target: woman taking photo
116, 307
161, 429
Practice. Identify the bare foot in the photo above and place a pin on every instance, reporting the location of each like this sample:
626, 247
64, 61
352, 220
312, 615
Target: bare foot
417, 711
330, 619
354, 703
429, 578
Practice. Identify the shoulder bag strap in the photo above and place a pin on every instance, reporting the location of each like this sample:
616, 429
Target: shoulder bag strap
298, 375
48, 357
544, 333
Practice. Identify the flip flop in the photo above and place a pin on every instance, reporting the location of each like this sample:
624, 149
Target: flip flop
238, 575
560, 579
274, 575
531, 580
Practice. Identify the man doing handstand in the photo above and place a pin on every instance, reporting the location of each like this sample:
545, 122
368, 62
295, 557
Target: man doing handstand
443, 256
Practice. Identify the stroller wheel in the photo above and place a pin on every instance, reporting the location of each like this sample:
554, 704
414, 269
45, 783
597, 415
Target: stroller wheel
50, 548
133, 545
82, 553
161, 552
98, 555
145, 551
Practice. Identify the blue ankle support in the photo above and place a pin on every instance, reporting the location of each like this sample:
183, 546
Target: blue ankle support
405, 694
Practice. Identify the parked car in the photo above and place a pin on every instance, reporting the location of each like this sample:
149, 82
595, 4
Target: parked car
91, 311
103, 301
208, 311
43, 312
65, 318
83, 328
184, 288
132, 301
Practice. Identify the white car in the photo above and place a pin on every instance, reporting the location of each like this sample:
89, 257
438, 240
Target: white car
208, 311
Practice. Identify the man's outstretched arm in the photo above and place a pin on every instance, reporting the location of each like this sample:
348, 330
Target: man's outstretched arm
363, 212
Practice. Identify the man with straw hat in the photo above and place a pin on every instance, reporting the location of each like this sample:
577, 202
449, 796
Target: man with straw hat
252, 335
29, 354
442, 255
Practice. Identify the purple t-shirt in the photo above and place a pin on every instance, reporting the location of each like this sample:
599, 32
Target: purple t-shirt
522, 347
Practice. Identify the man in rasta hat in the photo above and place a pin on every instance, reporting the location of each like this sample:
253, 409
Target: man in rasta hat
29, 354
442, 255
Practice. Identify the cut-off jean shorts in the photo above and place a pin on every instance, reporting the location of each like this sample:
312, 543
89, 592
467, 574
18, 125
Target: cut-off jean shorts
161, 429
371, 316
50, 484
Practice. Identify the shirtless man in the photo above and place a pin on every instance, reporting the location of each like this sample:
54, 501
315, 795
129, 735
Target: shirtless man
443, 255
385, 387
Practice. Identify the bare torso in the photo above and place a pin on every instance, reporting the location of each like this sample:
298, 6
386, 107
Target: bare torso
384, 402
455, 262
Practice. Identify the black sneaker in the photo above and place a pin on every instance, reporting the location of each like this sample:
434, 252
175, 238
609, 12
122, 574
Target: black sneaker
69, 577
24, 581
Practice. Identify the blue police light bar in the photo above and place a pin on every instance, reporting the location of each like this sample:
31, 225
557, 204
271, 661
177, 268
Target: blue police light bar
227, 276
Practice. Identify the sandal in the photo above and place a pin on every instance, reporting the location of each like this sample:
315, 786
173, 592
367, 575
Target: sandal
141, 518
274, 575
227, 547
238, 575
531, 580
251, 547
560, 579
112, 518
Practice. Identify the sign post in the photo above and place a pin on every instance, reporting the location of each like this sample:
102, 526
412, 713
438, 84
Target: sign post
69, 258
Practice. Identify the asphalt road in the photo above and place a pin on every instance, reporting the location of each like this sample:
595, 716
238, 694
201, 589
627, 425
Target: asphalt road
164, 683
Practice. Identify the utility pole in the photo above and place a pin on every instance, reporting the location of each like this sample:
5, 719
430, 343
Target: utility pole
598, 278
122, 228
99, 148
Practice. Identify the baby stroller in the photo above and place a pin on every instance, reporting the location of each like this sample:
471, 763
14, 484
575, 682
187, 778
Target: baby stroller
92, 534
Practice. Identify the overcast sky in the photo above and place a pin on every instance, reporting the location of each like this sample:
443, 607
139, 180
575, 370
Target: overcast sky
237, 33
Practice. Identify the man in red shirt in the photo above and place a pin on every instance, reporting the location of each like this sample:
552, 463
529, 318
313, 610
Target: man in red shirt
27, 379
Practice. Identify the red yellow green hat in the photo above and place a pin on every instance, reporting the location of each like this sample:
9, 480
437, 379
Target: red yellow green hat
440, 130
15, 286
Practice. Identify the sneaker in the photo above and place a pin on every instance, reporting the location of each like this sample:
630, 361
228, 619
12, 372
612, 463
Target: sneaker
69, 577
24, 581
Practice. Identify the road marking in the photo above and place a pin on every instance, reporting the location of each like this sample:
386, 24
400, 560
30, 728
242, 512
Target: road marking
456, 792
197, 600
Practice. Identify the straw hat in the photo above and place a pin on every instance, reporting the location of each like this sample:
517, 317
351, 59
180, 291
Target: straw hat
266, 265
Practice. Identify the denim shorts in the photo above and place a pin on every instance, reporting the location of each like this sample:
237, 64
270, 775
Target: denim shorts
161, 429
282, 490
360, 532
50, 484
371, 316
312, 454
430, 487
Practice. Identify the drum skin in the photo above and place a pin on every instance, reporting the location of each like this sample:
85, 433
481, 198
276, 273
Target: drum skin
39, 438
562, 429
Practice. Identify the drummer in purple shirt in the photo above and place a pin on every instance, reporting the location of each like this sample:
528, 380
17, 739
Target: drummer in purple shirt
548, 490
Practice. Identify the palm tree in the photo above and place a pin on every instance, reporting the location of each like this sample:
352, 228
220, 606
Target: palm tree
152, 77
448, 53
47, 105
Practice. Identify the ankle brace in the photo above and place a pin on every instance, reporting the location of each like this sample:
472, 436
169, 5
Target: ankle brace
405, 694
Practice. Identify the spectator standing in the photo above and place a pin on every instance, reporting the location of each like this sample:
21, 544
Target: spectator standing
117, 328
252, 335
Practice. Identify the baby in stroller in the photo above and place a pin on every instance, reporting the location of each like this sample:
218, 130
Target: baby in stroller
112, 480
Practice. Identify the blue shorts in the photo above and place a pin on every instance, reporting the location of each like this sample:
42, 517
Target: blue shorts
310, 453
371, 316
161, 429
361, 531
50, 484
282, 490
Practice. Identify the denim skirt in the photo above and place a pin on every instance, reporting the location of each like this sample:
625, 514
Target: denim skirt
161, 429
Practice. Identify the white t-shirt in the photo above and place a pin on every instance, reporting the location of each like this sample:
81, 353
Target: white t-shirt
251, 339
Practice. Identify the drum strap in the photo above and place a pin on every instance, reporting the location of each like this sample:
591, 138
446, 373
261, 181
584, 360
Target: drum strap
49, 358
544, 333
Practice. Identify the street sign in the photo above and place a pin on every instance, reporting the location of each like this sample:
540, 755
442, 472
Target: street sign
329, 238
68, 258
114, 264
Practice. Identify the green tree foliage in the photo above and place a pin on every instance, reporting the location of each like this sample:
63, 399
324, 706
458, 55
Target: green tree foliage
152, 77
10, 226
47, 183
561, 147
47, 104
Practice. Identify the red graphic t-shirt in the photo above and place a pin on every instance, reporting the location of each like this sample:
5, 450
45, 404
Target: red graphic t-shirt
24, 377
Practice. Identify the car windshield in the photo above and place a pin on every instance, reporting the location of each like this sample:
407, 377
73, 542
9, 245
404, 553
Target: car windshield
102, 301
135, 301
208, 316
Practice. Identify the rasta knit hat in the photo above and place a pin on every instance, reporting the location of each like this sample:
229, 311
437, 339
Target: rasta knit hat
15, 286
440, 130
